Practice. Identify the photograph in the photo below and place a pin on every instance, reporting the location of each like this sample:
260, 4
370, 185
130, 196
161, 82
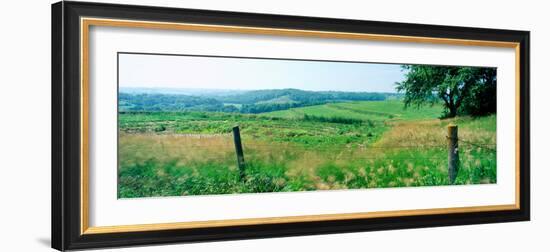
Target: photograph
207, 125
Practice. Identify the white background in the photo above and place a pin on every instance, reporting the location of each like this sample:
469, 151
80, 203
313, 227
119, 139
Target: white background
25, 125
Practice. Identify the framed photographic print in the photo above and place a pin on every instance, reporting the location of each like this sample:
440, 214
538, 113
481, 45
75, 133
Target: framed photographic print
179, 125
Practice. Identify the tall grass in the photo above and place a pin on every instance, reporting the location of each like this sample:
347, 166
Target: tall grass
173, 165
332, 146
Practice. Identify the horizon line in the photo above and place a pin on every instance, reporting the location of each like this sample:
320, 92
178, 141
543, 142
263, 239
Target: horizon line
248, 90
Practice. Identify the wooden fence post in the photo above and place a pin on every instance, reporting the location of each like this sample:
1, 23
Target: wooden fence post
452, 138
239, 150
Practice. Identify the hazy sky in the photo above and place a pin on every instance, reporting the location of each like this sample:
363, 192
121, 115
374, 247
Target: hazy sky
163, 71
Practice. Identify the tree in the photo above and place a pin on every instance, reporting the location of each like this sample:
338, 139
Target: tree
455, 86
482, 100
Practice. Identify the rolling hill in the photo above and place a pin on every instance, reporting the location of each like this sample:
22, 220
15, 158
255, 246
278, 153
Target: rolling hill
254, 102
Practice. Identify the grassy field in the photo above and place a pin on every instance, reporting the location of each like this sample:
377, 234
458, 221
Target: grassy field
365, 110
349, 145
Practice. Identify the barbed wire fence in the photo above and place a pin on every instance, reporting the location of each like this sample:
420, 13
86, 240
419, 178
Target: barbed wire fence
453, 145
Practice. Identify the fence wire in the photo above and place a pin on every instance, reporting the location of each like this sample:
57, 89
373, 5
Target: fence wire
488, 147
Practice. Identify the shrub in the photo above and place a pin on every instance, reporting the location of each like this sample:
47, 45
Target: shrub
160, 128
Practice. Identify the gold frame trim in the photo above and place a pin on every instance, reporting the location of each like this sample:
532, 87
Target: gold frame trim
85, 24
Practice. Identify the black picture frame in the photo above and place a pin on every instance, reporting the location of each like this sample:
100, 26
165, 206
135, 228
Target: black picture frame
66, 124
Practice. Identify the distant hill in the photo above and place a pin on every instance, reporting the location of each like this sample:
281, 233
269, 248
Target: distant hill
301, 96
181, 91
255, 101
166, 102
279, 100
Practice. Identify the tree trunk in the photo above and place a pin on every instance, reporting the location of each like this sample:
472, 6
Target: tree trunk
452, 111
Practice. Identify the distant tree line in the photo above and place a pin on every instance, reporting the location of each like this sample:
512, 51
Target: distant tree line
166, 102
269, 107
251, 102
332, 119
301, 96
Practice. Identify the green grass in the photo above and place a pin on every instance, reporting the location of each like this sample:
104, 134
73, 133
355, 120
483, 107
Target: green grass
365, 110
303, 132
381, 145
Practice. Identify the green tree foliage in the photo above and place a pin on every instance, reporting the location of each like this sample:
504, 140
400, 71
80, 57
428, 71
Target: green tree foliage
482, 99
468, 90
167, 102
